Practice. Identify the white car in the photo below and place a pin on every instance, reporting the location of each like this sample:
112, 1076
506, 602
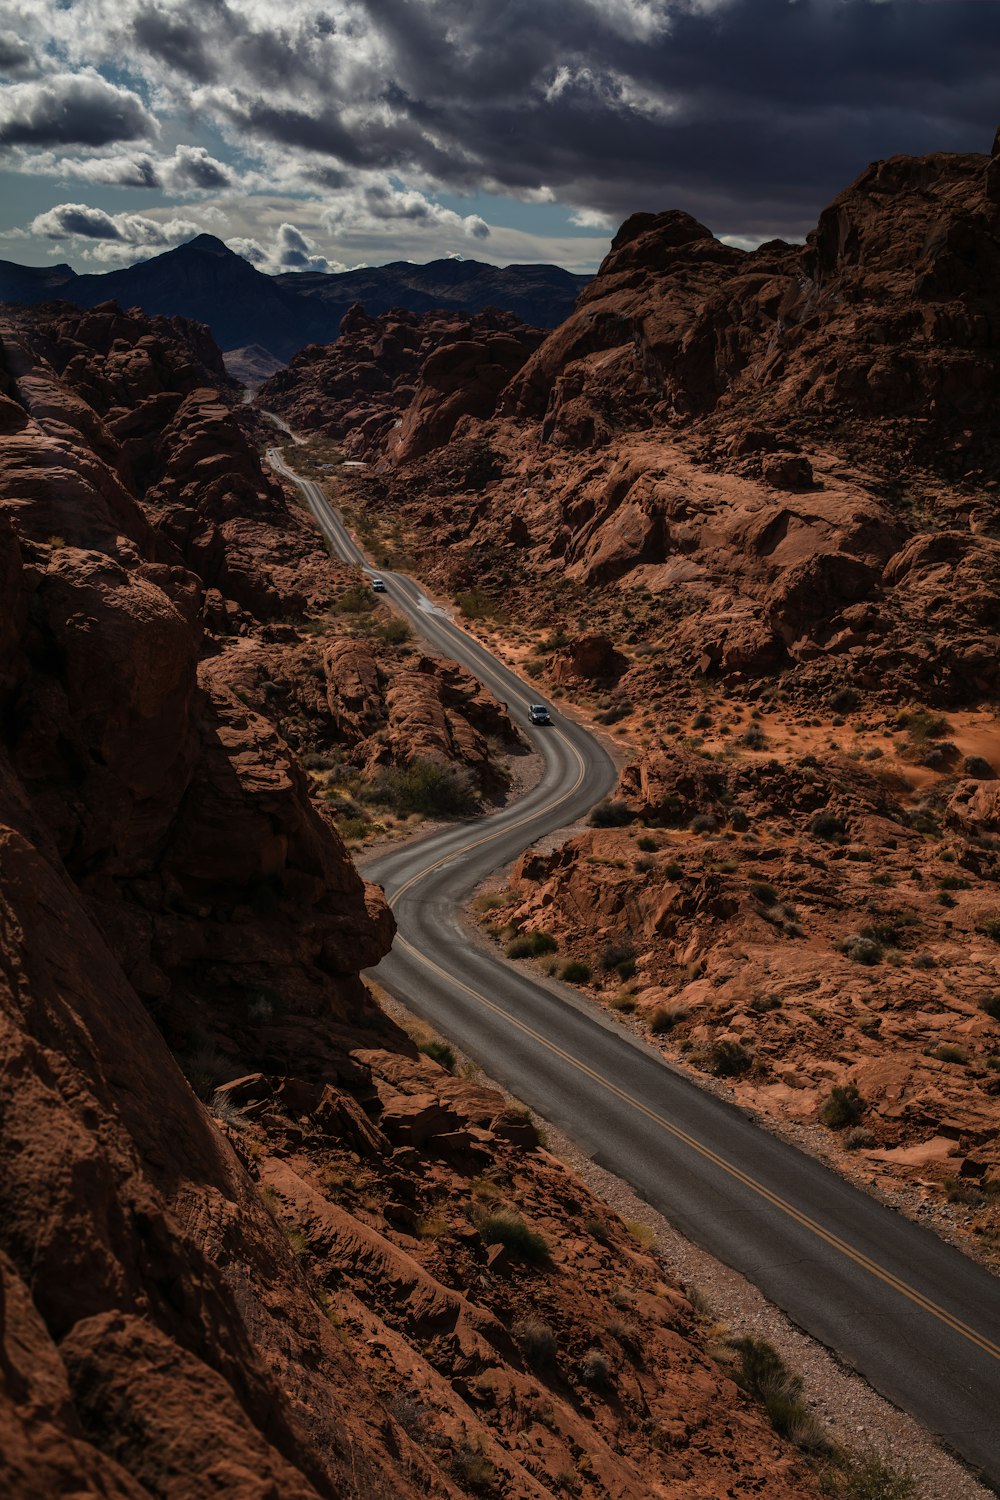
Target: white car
378, 584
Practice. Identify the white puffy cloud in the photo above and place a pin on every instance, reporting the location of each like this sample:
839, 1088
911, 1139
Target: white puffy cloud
115, 237
72, 109
749, 113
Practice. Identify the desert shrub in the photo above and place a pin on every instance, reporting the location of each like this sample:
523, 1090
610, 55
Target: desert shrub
626, 968
613, 954
703, 823
991, 928
924, 960
206, 1067
764, 893
701, 721
507, 1228
673, 871
728, 1059
858, 1138
473, 1470
991, 1005
597, 1229
843, 1106
665, 1018
862, 950
826, 825
763, 1374
536, 1340
643, 1234
531, 945
624, 1003
426, 786
921, 724
866, 1476
575, 972
410, 1414
354, 600
753, 737
844, 699
609, 814
351, 828
647, 845
949, 1052
975, 765
595, 1369
440, 1052
394, 632
953, 883
476, 604
761, 1004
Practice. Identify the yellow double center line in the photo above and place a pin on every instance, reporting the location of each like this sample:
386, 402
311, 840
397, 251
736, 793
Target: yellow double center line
705, 1152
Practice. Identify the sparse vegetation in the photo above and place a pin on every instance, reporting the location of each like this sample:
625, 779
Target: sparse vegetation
536, 1341
843, 1106
763, 1374
575, 972
609, 814
531, 945
595, 1369
727, 1059
440, 1052
476, 604
866, 1476
428, 787
507, 1228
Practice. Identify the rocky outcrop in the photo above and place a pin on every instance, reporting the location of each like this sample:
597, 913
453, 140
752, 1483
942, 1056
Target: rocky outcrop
788, 454
251, 1238
401, 383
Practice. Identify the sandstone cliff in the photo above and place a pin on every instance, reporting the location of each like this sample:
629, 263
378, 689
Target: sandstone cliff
253, 1242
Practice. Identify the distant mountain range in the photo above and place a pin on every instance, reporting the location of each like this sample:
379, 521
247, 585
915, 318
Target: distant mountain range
204, 279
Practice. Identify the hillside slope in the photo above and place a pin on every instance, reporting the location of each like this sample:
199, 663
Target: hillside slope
253, 1241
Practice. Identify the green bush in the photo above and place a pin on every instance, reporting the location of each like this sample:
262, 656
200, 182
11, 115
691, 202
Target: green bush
426, 786
726, 1059
609, 814
531, 945
441, 1053
763, 1374
507, 1228
354, 600
575, 972
866, 1476
843, 1106
476, 604
394, 632
949, 1052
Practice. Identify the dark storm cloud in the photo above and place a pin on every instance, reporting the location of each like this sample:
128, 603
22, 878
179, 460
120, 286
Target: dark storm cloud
67, 109
16, 58
750, 113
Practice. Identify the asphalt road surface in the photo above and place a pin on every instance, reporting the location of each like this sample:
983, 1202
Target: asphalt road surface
916, 1317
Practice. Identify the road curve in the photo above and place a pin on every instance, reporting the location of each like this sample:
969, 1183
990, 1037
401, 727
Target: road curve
916, 1317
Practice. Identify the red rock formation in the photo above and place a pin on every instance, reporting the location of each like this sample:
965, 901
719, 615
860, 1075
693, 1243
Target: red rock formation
791, 449
293, 1289
400, 383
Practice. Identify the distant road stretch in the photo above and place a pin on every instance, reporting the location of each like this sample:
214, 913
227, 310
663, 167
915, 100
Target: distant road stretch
917, 1318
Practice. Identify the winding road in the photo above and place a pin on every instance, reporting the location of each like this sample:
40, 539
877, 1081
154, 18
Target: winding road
916, 1317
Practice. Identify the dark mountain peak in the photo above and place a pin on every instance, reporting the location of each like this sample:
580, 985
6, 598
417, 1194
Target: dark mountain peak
209, 244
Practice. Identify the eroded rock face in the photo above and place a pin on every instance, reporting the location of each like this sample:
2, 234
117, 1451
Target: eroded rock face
783, 448
398, 385
242, 1251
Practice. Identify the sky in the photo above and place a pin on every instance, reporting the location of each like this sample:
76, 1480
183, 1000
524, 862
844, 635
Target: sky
322, 136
